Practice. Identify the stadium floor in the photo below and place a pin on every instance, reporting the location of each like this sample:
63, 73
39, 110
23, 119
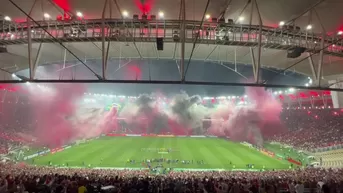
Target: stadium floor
117, 151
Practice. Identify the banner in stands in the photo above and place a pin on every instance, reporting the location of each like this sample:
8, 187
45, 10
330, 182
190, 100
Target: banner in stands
115, 135
294, 161
268, 153
246, 144
132, 135
155, 135
148, 135
165, 136
55, 150
280, 156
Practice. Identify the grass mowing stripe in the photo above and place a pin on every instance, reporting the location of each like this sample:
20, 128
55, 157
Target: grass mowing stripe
112, 153
260, 159
219, 155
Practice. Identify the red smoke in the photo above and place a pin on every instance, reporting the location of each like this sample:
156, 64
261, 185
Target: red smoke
144, 6
108, 123
52, 109
249, 122
56, 110
63, 4
134, 72
178, 129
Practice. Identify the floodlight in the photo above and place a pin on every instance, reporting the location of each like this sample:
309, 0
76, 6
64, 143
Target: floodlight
125, 13
282, 23
79, 14
161, 14
208, 16
46, 16
7, 18
241, 19
309, 27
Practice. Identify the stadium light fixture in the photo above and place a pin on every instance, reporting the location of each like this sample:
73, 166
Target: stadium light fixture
309, 27
79, 14
306, 84
340, 33
7, 18
291, 90
282, 23
46, 16
240, 19
208, 16
161, 14
125, 14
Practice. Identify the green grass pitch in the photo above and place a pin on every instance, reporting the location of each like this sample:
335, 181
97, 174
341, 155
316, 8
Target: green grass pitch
116, 151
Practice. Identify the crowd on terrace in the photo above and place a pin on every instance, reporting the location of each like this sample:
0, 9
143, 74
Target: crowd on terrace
311, 129
20, 178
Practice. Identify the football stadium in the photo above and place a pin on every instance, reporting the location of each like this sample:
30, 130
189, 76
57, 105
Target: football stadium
171, 96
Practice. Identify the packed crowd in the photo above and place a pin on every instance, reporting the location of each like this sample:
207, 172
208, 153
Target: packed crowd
312, 129
9, 140
22, 178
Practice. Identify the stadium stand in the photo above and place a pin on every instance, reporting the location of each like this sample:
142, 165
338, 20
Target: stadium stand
17, 178
312, 130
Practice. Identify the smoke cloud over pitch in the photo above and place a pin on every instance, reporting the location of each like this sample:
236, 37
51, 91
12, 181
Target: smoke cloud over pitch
60, 118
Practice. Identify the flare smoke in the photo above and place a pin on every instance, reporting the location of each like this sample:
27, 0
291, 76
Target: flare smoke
61, 119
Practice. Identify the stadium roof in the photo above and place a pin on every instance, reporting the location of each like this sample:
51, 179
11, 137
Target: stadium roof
324, 15
272, 12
